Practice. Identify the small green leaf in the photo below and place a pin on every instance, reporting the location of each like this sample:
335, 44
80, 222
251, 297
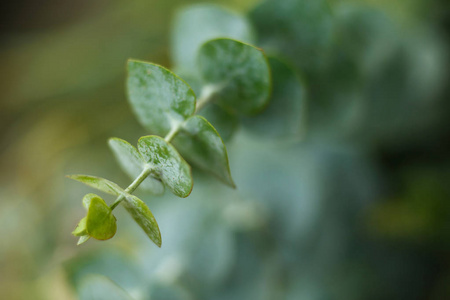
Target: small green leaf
87, 200
80, 230
240, 71
83, 239
201, 145
132, 162
100, 223
197, 24
173, 170
143, 217
159, 98
99, 183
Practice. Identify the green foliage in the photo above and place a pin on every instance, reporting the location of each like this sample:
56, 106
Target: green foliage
235, 76
239, 71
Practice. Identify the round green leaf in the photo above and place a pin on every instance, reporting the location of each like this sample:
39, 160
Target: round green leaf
285, 114
201, 145
173, 170
240, 72
99, 183
87, 200
159, 98
100, 223
143, 217
197, 24
132, 163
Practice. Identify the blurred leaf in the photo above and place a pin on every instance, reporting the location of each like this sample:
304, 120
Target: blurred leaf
284, 116
83, 239
100, 223
200, 144
197, 24
300, 29
159, 98
96, 287
80, 230
144, 217
173, 170
132, 162
99, 183
240, 72
225, 122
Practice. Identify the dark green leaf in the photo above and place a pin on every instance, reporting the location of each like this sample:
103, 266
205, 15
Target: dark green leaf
239, 71
160, 99
144, 217
173, 170
99, 183
100, 223
201, 145
199, 23
132, 162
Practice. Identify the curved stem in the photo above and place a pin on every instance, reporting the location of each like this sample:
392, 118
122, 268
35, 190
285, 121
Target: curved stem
133, 186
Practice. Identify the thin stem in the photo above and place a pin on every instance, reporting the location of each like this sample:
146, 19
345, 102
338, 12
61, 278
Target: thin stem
208, 91
172, 133
133, 186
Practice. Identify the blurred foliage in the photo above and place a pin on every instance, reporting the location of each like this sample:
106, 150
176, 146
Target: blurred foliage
352, 205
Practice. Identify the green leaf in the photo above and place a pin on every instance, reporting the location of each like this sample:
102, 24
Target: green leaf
240, 72
143, 217
226, 123
197, 24
83, 239
80, 230
87, 200
132, 163
285, 114
100, 223
173, 170
159, 98
99, 183
201, 145
299, 29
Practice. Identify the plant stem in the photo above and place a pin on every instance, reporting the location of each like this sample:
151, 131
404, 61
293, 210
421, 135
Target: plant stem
133, 186
206, 96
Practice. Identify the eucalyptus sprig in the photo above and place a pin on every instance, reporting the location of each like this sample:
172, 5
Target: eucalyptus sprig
233, 75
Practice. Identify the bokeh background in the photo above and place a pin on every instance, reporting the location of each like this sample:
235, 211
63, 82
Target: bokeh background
343, 183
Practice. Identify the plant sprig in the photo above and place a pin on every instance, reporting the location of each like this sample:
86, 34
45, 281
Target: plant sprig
234, 75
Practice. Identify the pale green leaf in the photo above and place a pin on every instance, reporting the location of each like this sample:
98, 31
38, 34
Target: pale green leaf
80, 230
159, 98
83, 239
100, 223
197, 24
173, 170
99, 183
132, 162
240, 72
201, 145
143, 217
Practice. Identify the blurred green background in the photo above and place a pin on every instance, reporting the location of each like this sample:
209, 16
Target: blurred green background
354, 203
